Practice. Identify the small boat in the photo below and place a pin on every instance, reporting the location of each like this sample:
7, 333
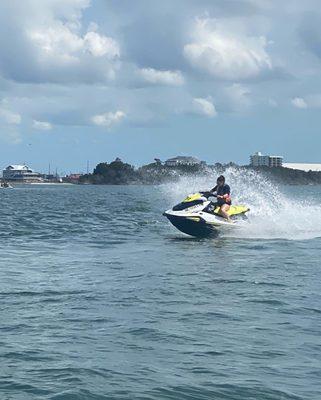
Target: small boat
5, 185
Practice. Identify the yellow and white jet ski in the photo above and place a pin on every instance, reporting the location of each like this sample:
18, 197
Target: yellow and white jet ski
198, 216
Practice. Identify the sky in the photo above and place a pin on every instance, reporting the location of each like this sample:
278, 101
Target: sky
137, 79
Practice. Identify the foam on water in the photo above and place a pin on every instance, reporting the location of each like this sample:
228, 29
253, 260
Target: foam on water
274, 214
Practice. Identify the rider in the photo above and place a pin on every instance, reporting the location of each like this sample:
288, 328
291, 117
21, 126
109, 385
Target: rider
224, 200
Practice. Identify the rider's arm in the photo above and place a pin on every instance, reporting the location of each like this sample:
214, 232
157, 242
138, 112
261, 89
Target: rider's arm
227, 194
214, 189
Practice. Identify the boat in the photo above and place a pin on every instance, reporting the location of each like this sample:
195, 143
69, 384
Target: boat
198, 216
5, 185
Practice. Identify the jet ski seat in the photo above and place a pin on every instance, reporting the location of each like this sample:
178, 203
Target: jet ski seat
233, 210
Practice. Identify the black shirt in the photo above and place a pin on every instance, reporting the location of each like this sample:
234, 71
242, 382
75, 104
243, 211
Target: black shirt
221, 191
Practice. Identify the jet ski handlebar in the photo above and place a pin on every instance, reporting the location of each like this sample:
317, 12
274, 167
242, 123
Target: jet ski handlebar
208, 194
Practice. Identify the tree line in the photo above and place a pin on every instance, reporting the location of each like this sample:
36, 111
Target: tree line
121, 173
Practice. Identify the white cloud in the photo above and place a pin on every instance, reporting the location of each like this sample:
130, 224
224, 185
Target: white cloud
299, 102
99, 45
53, 45
55, 42
66, 45
10, 117
313, 100
237, 97
108, 119
171, 78
226, 54
204, 107
58, 42
41, 125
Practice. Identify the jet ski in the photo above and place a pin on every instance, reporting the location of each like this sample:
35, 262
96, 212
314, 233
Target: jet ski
198, 216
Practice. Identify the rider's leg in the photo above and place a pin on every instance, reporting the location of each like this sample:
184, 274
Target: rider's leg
223, 211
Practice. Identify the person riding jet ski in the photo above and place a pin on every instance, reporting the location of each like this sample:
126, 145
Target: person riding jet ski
222, 193
198, 216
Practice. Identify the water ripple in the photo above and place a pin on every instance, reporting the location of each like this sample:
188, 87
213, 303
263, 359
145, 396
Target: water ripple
103, 299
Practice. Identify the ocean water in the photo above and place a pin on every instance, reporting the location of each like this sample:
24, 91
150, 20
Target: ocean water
101, 298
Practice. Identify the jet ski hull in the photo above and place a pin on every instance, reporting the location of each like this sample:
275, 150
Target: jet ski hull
200, 224
194, 227
197, 217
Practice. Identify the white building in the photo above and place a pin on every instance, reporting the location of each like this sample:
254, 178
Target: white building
183, 160
304, 166
21, 173
260, 160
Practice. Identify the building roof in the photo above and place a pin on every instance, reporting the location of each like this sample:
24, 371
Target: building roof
18, 167
259, 154
303, 166
184, 158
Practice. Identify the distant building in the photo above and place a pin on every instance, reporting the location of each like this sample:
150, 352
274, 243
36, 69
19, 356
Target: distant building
303, 166
183, 160
72, 178
21, 173
260, 160
275, 161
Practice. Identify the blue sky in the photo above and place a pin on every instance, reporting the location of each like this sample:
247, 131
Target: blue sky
92, 80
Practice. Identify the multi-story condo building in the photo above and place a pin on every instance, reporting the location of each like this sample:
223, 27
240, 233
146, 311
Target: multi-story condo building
260, 160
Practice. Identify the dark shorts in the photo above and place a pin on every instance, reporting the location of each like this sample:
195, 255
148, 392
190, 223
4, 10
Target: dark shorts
220, 203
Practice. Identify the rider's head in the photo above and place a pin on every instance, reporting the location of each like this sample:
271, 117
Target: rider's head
220, 180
